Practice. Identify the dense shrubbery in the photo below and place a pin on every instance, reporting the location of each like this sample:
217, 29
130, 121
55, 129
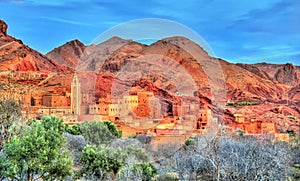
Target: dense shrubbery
38, 153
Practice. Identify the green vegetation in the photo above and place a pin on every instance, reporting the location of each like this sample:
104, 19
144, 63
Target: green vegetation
101, 160
74, 129
292, 117
10, 120
97, 133
240, 132
145, 170
189, 142
245, 103
38, 153
132, 136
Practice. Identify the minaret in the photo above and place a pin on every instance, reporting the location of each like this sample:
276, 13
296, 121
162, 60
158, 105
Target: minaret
75, 96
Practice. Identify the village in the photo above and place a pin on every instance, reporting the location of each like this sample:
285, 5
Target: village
135, 113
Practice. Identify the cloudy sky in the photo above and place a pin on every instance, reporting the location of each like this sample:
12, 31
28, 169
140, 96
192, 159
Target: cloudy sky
237, 31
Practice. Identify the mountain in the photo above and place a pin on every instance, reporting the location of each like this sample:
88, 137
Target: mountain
254, 69
288, 74
14, 55
114, 56
68, 54
283, 73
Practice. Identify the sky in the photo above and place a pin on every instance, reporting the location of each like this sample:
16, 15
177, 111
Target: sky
240, 31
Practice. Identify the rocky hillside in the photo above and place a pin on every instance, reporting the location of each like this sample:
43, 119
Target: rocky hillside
254, 69
14, 55
68, 54
167, 67
116, 56
288, 74
283, 73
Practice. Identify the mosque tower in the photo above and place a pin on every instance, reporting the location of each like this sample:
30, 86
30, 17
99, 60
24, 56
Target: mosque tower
75, 96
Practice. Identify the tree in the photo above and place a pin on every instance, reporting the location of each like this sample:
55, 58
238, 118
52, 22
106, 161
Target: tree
97, 133
74, 129
108, 160
10, 118
39, 153
113, 129
97, 162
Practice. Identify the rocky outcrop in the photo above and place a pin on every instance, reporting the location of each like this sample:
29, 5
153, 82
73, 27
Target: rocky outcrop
3, 28
287, 74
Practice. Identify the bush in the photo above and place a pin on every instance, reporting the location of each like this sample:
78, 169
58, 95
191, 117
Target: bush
74, 129
140, 171
189, 142
102, 160
38, 153
97, 133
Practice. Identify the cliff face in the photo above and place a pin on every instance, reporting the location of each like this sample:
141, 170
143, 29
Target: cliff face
14, 55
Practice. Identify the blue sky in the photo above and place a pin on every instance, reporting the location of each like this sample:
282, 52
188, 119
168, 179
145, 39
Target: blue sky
237, 31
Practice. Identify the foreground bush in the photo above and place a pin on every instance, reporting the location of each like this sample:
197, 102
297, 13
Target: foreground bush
37, 154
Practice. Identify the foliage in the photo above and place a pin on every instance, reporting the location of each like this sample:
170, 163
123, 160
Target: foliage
139, 171
189, 142
106, 160
97, 133
10, 120
113, 129
102, 160
132, 136
240, 132
74, 129
292, 117
246, 103
39, 153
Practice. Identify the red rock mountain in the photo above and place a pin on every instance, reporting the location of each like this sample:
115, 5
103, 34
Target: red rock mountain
283, 73
68, 54
14, 55
254, 69
288, 74
131, 65
111, 56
